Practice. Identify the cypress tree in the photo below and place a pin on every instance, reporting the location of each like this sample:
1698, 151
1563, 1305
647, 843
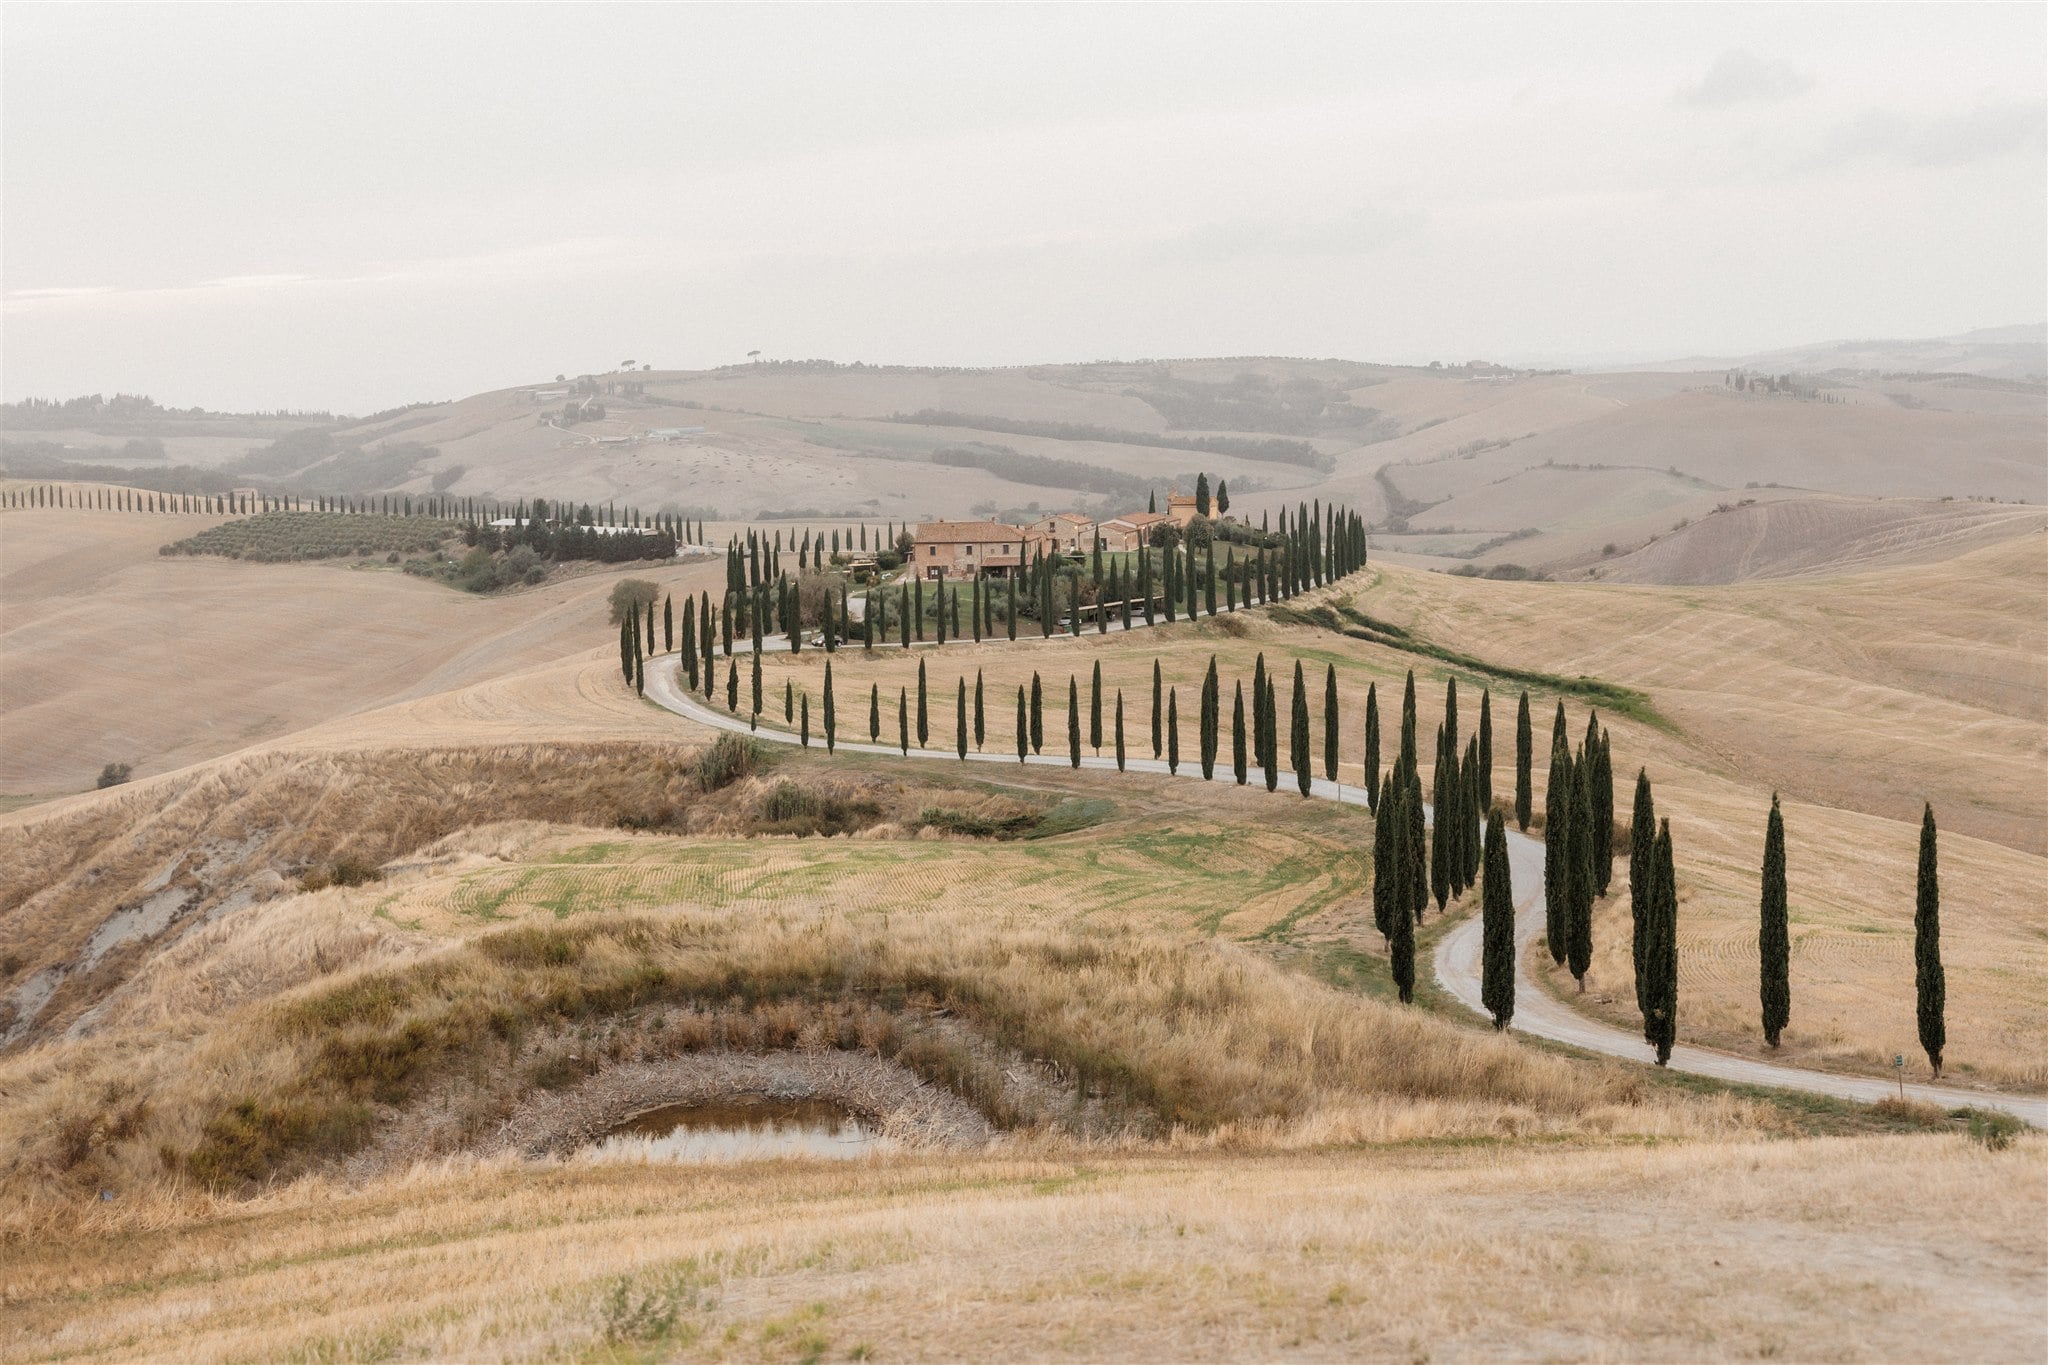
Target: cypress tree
1930, 985
732, 686
1095, 708
831, 727
924, 724
1119, 729
1297, 733
979, 730
690, 640
1010, 612
1439, 832
804, 711
755, 713
1485, 751
960, 721
788, 701
668, 624
1557, 803
917, 606
1579, 873
1269, 734
1212, 702
1497, 925
1472, 814
1773, 937
1172, 730
1259, 709
1603, 813
903, 719
903, 614
1372, 746
1385, 849
1158, 709
1073, 721
1401, 939
874, 713
1330, 723
1642, 884
1023, 726
639, 677
626, 653
1037, 715
1661, 1025
1238, 768
1408, 749
1558, 733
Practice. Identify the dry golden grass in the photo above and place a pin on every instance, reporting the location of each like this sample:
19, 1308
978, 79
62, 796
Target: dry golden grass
1703, 1250
112, 653
1855, 697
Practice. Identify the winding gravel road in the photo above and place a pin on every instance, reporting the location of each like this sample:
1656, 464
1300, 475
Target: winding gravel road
1457, 961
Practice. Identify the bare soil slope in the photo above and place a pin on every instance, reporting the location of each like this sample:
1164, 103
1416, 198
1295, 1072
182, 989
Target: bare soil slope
1793, 537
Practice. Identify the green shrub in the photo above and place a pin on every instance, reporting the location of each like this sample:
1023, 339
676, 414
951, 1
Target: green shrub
1994, 1129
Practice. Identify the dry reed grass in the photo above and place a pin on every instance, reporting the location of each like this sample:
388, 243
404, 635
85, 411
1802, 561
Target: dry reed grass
1701, 1250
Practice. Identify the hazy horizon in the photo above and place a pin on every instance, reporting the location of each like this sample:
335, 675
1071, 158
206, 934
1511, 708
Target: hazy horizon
355, 207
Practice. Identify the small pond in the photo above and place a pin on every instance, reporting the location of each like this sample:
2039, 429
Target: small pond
741, 1130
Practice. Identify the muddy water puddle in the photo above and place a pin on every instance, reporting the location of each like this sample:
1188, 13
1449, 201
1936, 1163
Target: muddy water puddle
742, 1130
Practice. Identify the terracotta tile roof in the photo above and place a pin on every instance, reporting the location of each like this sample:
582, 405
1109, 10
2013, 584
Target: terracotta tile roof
960, 532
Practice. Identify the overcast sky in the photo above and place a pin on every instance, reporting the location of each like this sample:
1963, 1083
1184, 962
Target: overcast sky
359, 206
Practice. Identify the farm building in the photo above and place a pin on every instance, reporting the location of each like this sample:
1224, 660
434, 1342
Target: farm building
964, 549
1070, 532
1131, 530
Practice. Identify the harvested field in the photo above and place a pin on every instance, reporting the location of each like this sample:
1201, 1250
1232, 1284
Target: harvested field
1678, 1252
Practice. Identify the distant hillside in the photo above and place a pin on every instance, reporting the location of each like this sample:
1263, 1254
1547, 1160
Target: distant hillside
2018, 352
1472, 465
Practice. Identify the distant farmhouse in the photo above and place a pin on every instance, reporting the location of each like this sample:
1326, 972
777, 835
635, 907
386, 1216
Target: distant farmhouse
964, 549
992, 549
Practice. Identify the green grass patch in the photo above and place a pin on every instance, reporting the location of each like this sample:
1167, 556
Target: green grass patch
1347, 620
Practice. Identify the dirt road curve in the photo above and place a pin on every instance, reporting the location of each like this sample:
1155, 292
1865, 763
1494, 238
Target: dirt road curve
1457, 955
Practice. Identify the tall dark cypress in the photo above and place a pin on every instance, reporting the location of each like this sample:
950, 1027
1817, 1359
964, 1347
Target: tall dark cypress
1211, 721
732, 685
788, 702
874, 713
1579, 873
1558, 733
1417, 854
1073, 721
1660, 1025
754, 668
1330, 723
1440, 828
1930, 985
980, 717
1642, 871
1557, 804
1450, 734
668, 624
1372, 746
1095, 708
1270, 735
1299, 752
1158, 710
1485, 751
1037, 715
1023, 726
903, 719
1172, 730
1238, 767
1407, 879
1407, 758
1119, 729
1385, 848
924, 724
1497, 926
1603, 813
1473, 816
639, 677
1259, 708
804, 722
1773, 935
960, 721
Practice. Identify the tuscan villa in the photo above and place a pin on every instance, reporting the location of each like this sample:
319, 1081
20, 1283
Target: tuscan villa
963, 549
